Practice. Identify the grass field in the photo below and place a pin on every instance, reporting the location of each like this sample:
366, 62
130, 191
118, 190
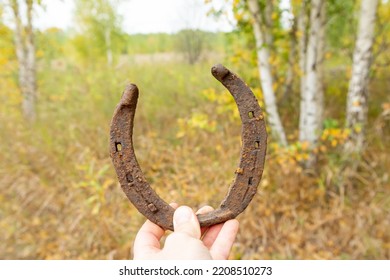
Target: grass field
60, 198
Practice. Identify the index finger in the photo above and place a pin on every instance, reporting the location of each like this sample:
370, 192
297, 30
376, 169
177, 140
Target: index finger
148, 238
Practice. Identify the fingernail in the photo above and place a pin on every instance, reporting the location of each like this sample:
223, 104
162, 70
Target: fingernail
182, 215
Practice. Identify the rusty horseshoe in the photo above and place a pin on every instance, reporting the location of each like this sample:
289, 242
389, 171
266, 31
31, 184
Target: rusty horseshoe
247, 175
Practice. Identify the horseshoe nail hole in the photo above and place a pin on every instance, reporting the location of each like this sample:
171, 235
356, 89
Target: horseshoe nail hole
250, 180
118, 146
152, 207
257, 144
129, 178
251, 114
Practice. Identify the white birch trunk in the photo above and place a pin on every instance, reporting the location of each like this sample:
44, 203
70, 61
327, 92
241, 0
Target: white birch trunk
25, 53
357, 100
302, 44
266, 80
312, 97
19, 46
291, 57
31, 82
267, 30
320, 70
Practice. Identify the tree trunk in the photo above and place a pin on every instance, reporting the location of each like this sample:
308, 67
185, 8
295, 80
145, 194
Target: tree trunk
25, 53
357, 100
302, 44
289, 76
266, 79
312, 95
320, 70
31, 81
267, 30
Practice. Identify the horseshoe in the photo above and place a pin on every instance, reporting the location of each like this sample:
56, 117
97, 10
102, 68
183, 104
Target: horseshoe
248, 174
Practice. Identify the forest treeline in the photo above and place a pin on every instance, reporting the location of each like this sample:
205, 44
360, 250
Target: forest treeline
319, 69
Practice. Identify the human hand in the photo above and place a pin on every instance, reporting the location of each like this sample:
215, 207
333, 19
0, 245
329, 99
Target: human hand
188, 241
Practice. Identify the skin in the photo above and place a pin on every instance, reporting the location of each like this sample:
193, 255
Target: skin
188, 241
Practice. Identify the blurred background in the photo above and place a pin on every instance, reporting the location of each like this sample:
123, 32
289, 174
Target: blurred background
320, 69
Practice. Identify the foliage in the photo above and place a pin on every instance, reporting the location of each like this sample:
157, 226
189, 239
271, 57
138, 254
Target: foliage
59, 195
100, 29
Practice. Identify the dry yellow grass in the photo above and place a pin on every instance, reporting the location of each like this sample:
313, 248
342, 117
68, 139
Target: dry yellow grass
60, 198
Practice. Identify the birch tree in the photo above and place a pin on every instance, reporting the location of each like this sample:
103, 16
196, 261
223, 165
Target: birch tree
25, 53
302, 23
99, 24
264, 68
312, 91
292, 54
357, 99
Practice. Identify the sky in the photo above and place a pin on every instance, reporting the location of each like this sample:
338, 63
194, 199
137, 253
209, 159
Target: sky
144, 16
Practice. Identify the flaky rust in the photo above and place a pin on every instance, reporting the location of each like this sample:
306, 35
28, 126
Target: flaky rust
247, 174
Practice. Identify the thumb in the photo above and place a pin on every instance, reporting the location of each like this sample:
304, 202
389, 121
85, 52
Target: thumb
186, 222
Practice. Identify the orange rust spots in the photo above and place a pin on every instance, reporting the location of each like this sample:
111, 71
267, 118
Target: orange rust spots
260, 117
239, 170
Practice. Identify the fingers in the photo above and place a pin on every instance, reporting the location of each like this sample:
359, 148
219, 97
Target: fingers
211, 234
204, 210
184, 242
148, 238
185, 221
174, 205
217, 240
223, 243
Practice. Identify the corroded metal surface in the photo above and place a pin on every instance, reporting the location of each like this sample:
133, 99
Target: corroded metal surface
247, 175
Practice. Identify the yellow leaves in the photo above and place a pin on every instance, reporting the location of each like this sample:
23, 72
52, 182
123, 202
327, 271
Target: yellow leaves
239, 16
197, 121
357, 128
240, 56
305, 145
201, 121
275, 86
289, 158
210, 94
39, 54
225, 103
328, 55
272, 60
3, 61
259, 95
334, 137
